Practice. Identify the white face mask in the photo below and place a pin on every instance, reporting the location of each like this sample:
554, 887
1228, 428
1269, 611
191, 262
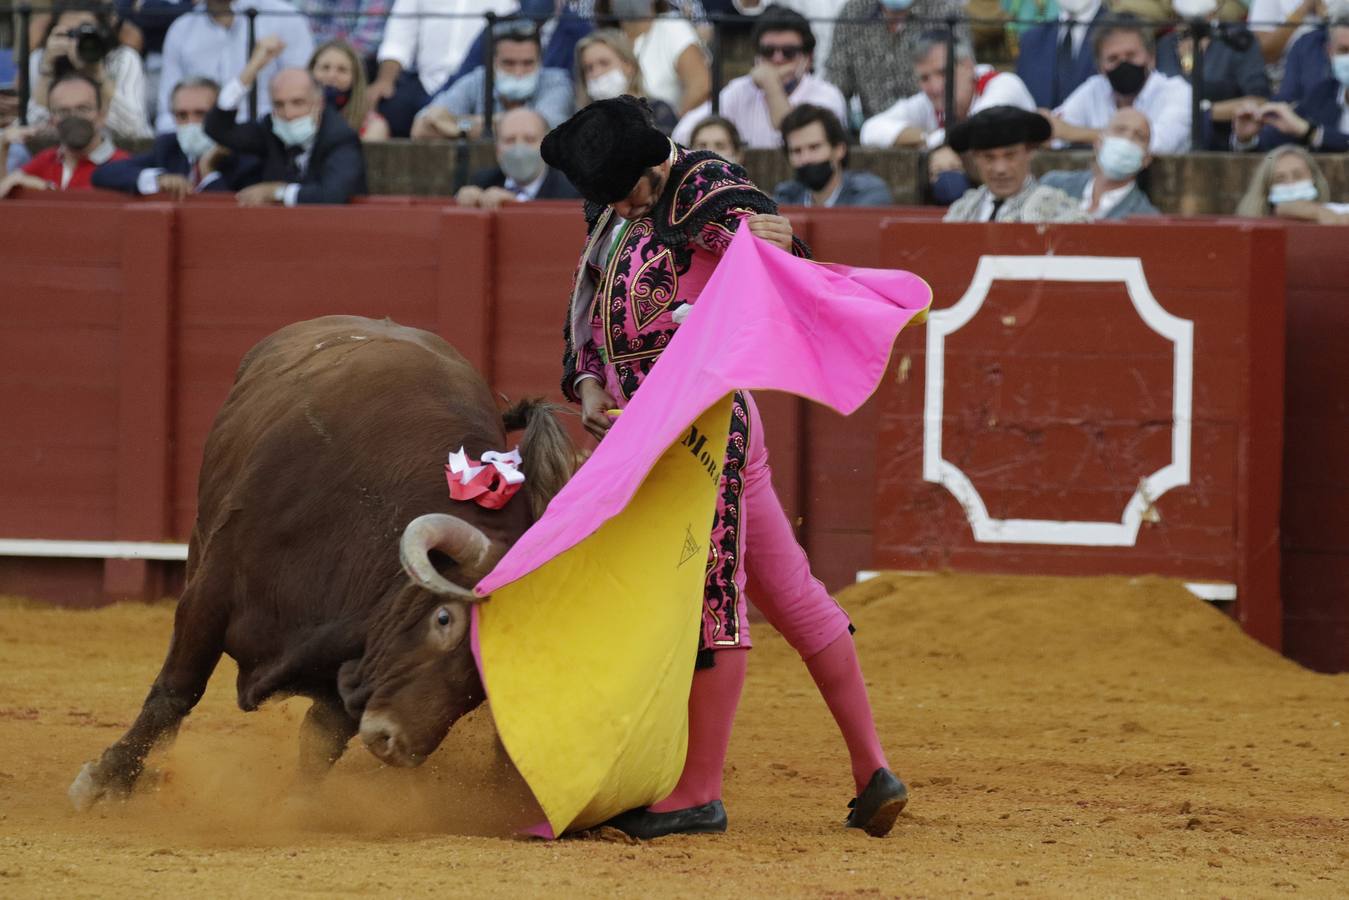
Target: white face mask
1288, 193
1119, 158
193, 140
1194, 9
296, 132
1076, 8
611, 84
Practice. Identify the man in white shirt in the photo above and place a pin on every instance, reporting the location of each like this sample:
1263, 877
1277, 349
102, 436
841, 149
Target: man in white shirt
215, 46
1127, 75
1109, 189
780, 81
819, 13
920, 120
425, 41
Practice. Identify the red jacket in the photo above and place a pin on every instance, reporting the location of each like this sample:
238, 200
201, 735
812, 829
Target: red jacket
50, 167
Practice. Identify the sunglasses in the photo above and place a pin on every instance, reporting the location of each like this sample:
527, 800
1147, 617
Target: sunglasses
788, 52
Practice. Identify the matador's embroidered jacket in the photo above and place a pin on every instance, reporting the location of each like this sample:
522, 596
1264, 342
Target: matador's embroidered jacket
631, 279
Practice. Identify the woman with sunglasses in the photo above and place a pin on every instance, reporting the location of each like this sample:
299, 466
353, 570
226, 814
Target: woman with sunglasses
780, 81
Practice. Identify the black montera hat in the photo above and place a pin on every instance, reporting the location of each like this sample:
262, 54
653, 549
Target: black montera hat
604, 149
998, 126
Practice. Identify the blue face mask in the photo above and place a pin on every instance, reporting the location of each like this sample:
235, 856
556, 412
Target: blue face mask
516, 87
1340, 66
896, 5
295, 132
1119, 158
1292, 191
949, 187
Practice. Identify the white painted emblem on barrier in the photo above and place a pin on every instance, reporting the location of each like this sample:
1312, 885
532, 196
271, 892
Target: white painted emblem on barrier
1180, 332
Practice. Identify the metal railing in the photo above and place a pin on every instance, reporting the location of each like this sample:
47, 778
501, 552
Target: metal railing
949, 26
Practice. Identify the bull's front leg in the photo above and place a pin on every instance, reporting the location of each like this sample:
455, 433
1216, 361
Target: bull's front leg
324, 734
198, 640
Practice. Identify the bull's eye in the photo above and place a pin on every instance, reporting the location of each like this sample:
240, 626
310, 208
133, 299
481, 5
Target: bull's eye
443, 617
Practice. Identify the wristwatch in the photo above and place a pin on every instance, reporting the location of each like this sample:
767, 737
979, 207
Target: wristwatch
465, 125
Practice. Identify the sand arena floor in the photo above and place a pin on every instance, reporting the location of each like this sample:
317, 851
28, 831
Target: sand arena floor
1099, 737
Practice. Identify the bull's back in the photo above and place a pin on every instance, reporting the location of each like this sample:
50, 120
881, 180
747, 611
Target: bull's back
333, 437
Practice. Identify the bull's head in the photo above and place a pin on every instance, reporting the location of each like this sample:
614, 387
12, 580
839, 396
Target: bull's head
417, 676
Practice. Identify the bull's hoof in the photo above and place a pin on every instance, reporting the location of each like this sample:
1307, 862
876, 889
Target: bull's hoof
86, 790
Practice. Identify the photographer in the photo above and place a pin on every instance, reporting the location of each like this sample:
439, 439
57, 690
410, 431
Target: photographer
81, 39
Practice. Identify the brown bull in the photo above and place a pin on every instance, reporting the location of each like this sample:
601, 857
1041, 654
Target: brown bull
325, 467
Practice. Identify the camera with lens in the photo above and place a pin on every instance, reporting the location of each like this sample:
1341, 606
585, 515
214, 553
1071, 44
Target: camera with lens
92, 42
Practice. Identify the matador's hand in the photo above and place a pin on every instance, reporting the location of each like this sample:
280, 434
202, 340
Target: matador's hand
776, 230
595, 403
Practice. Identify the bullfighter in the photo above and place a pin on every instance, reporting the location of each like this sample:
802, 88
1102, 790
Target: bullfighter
659, 219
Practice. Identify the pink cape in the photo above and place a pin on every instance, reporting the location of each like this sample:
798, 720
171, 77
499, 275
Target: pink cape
765, 321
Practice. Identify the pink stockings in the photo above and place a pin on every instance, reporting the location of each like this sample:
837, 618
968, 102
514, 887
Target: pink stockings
712, 702
796, 604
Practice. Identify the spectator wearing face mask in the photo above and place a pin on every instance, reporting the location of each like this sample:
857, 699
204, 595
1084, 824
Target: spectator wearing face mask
518, 81
339, 71
116, 69
425, 41
874, 48
1127, 60
1289, 184
184, 161
780, 80
607, 68
1319, 121
561, 23
308, 153
718, 136
669, 52
1234, 70
817, 148
520, 174
77, 108
1055, 58
1109, 189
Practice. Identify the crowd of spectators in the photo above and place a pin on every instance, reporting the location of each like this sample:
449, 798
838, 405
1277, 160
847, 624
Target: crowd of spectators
285, 123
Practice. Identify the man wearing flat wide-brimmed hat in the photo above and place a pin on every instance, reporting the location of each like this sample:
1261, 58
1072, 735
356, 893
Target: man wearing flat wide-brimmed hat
1003, 140
660, 218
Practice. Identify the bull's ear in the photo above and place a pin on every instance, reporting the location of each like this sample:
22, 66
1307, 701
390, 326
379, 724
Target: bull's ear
352, 689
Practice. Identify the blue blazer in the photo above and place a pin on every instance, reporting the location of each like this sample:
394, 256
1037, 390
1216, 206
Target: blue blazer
1038, 53
1321, 106
235, 172
336, 169
1305, 65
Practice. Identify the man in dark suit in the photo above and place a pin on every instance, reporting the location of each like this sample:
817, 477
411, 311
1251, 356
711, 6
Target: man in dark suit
183, 161
1318, 121
520, 174
309, 154
1056, 57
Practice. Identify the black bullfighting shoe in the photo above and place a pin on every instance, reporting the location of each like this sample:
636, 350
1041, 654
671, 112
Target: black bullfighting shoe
710, 818
876, 809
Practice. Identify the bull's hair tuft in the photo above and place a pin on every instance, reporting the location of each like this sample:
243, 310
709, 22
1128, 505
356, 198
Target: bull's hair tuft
549, 456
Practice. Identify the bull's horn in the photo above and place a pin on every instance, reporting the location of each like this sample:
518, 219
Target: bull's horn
454, 537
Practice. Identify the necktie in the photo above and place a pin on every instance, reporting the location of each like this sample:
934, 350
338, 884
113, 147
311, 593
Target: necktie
293, 164
997, 205
1063, 65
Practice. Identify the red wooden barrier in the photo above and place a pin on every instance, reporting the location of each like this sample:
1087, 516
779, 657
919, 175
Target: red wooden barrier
1049, 424
125, 323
